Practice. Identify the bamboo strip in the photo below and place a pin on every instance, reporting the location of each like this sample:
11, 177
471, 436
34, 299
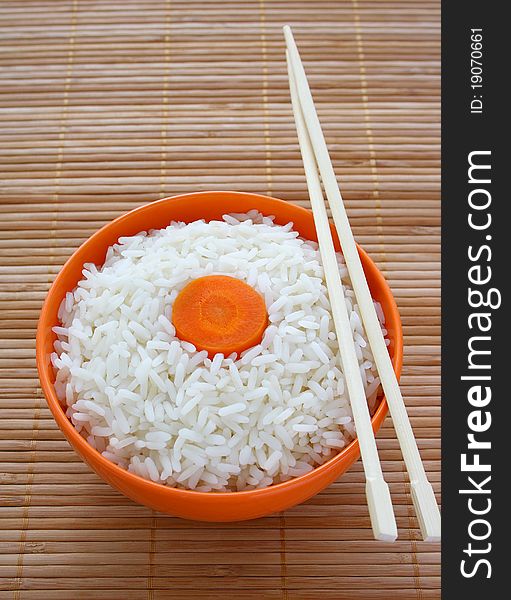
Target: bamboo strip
269, 594
313, 584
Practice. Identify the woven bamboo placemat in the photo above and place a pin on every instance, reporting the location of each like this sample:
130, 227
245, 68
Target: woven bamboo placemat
106, 105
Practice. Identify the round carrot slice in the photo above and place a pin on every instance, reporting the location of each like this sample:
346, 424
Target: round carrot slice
218, 313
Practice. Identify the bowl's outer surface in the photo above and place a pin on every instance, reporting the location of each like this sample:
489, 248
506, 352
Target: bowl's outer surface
233, 506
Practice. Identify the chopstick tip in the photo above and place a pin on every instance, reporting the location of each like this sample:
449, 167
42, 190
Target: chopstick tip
380, 507
288, 34
386, 537
426, 507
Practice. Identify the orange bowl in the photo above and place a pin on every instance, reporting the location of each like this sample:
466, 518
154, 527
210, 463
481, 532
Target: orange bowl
202, 506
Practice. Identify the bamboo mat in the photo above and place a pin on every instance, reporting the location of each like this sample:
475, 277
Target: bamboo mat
106, 105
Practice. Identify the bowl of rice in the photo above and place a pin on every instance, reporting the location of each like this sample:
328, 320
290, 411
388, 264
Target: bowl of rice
187, 352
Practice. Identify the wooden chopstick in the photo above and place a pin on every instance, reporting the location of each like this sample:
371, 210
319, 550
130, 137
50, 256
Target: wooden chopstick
377, 491
423, 496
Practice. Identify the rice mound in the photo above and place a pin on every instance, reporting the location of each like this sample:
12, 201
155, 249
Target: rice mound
158, 407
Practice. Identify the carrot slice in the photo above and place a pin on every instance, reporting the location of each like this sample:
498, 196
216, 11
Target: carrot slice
218, 313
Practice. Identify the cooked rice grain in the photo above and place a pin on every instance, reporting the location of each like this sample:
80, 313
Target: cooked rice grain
158, 407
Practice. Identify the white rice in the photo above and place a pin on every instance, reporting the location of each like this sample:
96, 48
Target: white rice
160, 408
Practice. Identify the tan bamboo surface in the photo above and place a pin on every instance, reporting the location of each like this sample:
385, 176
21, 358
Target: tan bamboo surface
106, 105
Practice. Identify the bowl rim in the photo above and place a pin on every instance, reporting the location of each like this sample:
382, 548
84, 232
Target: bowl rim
81, 445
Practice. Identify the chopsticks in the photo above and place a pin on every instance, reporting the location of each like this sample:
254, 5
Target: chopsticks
315, 156
377, 490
